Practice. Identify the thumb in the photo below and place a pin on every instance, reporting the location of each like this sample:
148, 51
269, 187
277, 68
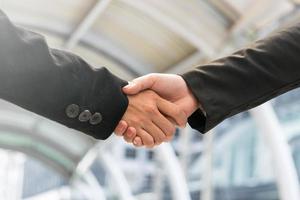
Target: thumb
139, 84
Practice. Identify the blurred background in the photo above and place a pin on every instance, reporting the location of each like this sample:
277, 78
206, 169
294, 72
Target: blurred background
252, 156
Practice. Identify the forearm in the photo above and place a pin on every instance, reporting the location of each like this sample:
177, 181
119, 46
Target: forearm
247, 78
47, 81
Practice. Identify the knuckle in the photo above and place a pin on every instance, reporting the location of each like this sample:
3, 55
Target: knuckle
163, 138
169, 138
171, 131
136, 121
128, 137
183, 123
120, 132
151, 76
145, 123
177, 112
158, 140
119, 127
150, 143
150, 109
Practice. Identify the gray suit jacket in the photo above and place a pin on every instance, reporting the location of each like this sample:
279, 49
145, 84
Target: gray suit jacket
246, 79
57, 84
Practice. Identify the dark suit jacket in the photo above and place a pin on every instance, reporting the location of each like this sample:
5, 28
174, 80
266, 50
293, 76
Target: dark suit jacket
246, 79
46, 81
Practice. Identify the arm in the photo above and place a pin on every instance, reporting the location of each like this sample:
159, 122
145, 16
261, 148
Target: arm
232, 84
246, 79
64, 88
46, 81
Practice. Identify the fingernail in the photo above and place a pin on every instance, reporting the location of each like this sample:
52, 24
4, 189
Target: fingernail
123, 126
130, 84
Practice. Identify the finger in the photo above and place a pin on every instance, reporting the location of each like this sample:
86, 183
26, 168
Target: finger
166, 126
169, 138
147, 139
172, 110
121, 128
139, 84
130, 134
137, 141
156, 133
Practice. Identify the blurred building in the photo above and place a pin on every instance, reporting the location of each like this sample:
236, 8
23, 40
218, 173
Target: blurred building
44, 160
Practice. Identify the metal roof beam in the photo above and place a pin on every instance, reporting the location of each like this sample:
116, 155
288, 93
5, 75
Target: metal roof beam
253, 14
86, 23
173, 25
224, 7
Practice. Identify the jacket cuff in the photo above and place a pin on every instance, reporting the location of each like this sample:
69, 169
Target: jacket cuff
103, 96
110, 101
198, 120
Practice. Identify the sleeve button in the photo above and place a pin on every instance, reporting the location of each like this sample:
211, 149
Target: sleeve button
72, 111
96, 119
85, 116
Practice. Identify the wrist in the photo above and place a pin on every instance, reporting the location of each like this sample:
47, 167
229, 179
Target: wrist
194, 103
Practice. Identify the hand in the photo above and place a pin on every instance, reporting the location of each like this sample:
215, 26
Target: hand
147, 116
170, 87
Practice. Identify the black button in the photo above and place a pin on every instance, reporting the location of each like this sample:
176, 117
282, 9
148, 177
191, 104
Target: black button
96, 119
85, 116
72, 111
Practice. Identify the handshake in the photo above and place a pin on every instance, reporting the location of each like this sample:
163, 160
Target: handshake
157, 104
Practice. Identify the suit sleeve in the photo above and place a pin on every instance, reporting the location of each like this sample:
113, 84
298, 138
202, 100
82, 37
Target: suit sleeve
47, 81
245, 79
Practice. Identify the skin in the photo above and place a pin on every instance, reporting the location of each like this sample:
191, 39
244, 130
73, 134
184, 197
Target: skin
150, 118
170, 87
